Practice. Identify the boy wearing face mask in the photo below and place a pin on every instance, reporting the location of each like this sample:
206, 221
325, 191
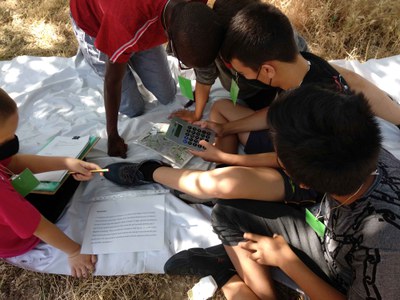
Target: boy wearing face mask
22, 225
260, 45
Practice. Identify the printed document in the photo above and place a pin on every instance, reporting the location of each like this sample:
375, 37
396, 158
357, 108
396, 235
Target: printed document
125, 224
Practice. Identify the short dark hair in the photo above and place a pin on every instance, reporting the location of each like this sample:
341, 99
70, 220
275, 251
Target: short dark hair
8, 107
227, 9
196, 33
258, 33
327, 140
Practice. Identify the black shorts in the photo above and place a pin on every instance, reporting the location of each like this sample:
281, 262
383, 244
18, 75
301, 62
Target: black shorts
295, 195
53, 206
259, 142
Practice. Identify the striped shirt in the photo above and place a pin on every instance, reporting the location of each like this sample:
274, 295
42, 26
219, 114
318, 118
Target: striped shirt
121, 27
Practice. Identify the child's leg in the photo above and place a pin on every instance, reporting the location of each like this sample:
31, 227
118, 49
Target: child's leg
224, 111
232, 218
152, 67
236, 289
264, 184
52, 207
132, 102
254, 275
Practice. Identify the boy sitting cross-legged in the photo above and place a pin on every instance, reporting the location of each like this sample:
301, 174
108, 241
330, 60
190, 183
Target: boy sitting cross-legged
347, 246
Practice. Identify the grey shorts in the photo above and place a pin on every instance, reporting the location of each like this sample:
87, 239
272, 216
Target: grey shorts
232, 218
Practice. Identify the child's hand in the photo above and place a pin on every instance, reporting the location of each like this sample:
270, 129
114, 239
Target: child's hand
184, 114
270, 251
82, 168
116, 146
211, 153
82, 265
216, 127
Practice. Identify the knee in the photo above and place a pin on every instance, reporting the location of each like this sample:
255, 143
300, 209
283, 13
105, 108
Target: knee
220, 105
168, 95
133, 114
132, 108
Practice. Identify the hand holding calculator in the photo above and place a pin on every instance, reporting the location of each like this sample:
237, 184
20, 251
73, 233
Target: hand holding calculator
188, 135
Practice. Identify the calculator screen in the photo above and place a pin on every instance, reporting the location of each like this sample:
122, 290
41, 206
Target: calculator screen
178, 130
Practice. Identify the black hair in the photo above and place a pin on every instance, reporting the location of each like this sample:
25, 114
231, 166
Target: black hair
258, 33
327, 140
227, 9
8, 107
196, 33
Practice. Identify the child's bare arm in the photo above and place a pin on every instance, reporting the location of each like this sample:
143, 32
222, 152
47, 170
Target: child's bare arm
38, 164
202, 93
81, 264
213, 154
254, 122
380, 102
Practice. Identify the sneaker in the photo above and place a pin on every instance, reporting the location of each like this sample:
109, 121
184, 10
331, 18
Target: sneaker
125, 173
202, 262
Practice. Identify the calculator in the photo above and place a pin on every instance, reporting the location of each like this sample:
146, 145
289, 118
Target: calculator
188, 135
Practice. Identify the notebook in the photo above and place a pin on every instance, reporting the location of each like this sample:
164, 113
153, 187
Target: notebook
76, 146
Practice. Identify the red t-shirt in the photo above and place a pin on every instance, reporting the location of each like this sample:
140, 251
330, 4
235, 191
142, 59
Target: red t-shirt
121, 27
18, 219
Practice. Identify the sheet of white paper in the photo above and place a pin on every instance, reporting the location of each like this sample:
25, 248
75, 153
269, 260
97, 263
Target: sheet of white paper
61, 146
125, 224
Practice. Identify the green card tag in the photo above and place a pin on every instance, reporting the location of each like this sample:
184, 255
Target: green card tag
315, 224
25, 182
234, 91
186, 87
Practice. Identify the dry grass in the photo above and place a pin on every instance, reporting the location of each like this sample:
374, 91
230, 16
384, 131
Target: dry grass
334, 29
35, 27
22, 284
19, 284
337, 29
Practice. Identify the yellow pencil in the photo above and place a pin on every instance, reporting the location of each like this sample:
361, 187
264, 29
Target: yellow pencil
93, 171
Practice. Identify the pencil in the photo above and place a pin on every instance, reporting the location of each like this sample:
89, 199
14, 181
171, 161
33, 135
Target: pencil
93, 171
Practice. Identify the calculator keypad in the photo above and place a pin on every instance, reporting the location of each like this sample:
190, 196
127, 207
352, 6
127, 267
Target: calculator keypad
189, 135
193, 135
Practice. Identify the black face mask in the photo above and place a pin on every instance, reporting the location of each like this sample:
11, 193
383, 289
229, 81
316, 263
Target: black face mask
9, 148
254, 83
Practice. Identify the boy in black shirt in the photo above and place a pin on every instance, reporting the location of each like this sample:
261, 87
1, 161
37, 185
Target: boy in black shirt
260, 44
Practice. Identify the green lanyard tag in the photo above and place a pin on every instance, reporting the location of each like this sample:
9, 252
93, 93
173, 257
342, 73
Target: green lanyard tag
186, 87
234, 91
25, 182
315, 224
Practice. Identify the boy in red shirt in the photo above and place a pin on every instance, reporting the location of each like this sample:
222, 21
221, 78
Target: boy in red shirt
118, 37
